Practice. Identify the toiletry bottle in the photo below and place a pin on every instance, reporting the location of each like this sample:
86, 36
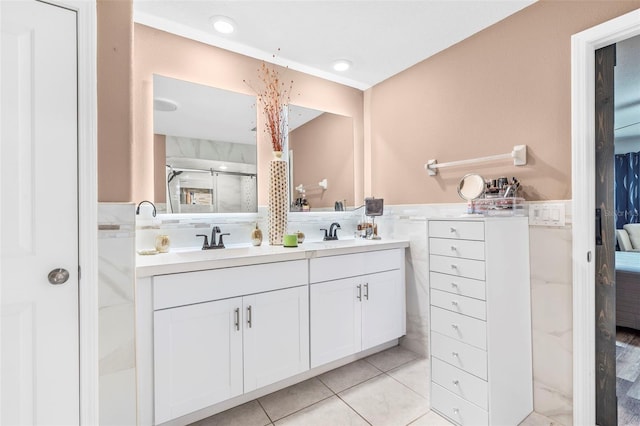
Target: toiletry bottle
256, 236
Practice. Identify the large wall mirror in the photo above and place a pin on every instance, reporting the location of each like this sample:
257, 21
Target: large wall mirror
205, 152
320, 150
205, 148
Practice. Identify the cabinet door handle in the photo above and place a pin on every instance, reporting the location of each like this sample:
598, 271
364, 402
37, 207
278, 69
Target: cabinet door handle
452, 229
237, 313
454, 354
366, 291
456, 382
454, 266
359, 296
454, 303
249, 316
454, 326
454, 248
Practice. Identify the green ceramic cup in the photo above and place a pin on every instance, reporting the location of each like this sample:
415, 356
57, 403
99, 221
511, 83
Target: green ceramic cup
290, 240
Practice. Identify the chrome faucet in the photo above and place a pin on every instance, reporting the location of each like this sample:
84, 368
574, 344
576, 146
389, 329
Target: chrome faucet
213, 245
332, 235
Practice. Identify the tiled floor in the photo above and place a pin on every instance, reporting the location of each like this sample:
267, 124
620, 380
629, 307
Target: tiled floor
388, 388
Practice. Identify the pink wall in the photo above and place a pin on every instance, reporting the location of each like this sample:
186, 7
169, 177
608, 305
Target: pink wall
114, 52
322, 149
159, 168
158, 52
507, 85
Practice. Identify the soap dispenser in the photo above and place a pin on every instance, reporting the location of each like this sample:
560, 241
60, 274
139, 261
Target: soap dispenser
256, 236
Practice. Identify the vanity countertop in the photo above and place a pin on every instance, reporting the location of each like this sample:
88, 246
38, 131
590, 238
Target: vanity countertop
197, 260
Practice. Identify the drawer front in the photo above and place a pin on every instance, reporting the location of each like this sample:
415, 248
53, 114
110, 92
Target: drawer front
352, 265
461, 355
466, 329
465, 385
457, 285
456, 229
457, 409
460, 304
457, 267
457, 248
195, 287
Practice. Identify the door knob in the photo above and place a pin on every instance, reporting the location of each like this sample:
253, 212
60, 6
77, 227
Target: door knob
58, 276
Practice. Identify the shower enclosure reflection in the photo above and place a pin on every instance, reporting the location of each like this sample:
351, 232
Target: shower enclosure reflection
205, 146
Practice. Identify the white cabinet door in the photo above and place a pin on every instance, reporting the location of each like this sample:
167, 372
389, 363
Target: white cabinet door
197, 356
335, 320
383, 301
276, 336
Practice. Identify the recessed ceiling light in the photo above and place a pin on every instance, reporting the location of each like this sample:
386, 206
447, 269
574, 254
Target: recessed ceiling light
223, 24
341, 65
162, 104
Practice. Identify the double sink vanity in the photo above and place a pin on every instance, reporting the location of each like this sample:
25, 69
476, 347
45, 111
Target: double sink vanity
217, 328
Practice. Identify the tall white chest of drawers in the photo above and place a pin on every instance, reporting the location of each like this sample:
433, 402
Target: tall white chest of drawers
481, 371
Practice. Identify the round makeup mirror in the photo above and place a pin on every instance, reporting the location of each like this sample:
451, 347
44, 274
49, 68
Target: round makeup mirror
471, 187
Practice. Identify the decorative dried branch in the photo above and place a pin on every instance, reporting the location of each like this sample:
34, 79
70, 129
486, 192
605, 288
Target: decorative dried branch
273, 95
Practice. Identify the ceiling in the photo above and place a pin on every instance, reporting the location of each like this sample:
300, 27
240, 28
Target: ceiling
380, 38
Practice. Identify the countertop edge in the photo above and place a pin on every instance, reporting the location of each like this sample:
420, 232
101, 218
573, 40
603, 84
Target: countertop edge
165, 265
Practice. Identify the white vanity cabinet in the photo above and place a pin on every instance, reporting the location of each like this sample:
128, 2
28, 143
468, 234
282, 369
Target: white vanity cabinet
357, 301
221, 333
481, 371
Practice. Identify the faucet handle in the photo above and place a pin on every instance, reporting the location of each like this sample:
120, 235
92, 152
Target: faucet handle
205, 244
220, 242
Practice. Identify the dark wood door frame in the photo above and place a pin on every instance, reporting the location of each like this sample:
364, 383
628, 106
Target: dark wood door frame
605, 297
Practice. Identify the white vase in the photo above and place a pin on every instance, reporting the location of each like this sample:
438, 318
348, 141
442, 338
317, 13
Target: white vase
278, 203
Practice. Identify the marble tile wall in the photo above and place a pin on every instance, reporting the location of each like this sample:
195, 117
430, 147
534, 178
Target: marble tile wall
116, 275
183, 228
211, 150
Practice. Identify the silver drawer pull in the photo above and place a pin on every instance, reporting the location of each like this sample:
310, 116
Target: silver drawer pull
454, 354
454, 248
454, 326
454, 303
452, 229
454, 285
454, 266
456, 382
456, 411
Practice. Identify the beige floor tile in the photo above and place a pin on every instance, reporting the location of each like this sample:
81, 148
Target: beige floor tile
289, 400
249, 414
414, 375
384, 401
331, 411
391, 358
349, 375
432, 419
535, 419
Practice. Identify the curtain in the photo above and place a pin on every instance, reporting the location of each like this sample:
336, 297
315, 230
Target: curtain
627, 198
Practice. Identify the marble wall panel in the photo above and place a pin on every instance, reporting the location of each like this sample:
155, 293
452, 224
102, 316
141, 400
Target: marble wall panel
116, 325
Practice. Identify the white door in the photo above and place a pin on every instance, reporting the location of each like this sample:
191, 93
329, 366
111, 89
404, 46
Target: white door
39, 372
197, 355
335, 320
276, 340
